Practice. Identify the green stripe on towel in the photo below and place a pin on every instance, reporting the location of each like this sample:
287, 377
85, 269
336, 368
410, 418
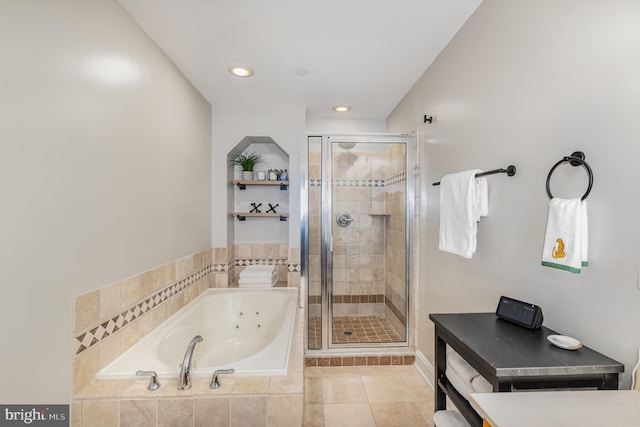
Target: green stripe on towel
561, 267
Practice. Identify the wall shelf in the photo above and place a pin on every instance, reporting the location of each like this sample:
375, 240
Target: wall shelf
242, 185
242, 216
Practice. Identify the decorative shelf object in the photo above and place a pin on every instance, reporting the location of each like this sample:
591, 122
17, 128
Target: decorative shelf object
242, 185
242, 216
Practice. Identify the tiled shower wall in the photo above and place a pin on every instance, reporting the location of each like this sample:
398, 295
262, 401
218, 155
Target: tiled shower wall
110, 320
369, 255
395, 245
358, 250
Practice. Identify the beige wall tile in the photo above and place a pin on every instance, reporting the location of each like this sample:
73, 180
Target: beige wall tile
221, 280
184, 266
251, 385
220, 256
110, 349
164, 275
175, 412
212, 412
76, 413
138, 413
130, 335
85, 367
110, 300
290, 384
131, 291
249, 411
146, 284
103, 413
243, 251
86, 310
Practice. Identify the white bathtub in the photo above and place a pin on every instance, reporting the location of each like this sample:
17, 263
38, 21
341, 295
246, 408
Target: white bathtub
249, 330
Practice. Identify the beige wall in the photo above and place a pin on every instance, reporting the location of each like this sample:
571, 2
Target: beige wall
527, 83
104, 173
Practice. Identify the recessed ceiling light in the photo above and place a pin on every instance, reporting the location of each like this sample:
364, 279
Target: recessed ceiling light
241, 71
341, 108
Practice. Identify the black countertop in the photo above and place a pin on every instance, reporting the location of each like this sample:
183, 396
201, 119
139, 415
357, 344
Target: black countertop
508, 350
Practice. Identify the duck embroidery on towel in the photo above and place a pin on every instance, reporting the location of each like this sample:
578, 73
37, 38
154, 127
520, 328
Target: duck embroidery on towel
558, 252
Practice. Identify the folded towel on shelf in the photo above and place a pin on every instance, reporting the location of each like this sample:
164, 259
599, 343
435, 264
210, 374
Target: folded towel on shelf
480, 385
566, 239
449, 418
465, 371
258, 271
464, 387
463, 200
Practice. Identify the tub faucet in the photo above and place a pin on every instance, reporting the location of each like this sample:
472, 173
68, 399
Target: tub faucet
184, 378
215, 382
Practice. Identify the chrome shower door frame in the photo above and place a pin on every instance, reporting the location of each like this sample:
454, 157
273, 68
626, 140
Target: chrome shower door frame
326, 243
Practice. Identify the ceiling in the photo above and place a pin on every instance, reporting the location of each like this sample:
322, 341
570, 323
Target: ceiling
363, 53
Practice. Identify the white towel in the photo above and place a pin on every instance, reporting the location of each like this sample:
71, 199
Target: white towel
463, 200
566, 239
465, 371
464, 387
258, 271
265, 274
449, 418
256, 281
481, 385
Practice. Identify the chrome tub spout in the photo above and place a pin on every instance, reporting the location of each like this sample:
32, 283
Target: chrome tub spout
184, 378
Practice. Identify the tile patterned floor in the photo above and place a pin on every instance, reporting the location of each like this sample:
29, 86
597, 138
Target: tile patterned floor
384, 396
359, 329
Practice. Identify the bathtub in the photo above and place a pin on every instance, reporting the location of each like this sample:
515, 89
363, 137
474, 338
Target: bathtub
249, 330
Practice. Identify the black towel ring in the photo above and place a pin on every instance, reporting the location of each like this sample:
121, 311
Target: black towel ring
575, 159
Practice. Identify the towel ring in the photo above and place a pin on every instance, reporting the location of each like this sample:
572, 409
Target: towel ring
575, 159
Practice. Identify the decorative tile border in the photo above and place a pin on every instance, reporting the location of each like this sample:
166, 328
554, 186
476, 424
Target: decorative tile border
105, 328
344, 182
243, 262
220, 268
294, 267
377, 360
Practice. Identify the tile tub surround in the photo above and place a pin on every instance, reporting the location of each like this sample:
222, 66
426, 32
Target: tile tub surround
110, 320
240, 401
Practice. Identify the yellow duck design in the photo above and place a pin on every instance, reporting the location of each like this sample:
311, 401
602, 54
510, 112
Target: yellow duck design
558, 252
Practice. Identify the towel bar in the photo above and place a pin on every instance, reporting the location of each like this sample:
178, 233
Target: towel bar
510, 171
575, 159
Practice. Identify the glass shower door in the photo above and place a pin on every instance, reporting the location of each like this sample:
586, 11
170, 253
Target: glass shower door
368, 236
356, 241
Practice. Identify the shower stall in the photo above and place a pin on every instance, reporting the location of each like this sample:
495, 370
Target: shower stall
357, 206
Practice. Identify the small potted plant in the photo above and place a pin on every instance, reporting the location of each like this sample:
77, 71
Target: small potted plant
247, 160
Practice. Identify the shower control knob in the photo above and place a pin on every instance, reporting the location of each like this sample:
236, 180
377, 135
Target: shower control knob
344, 219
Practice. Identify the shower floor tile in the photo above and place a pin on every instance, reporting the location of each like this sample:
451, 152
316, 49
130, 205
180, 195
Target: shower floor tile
355, 329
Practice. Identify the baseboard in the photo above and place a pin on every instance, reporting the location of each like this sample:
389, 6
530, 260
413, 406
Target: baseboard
425, 368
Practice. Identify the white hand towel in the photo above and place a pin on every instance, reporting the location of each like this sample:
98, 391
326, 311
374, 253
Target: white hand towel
566, 240
463, 200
